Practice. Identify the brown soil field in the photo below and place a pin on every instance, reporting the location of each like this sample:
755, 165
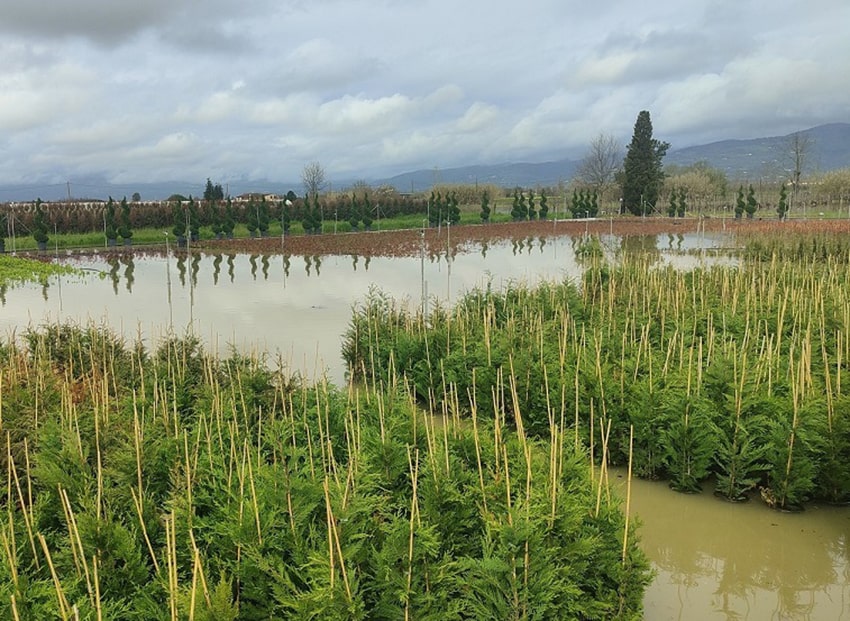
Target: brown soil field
407, 242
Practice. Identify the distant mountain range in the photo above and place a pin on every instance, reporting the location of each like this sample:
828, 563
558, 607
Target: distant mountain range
828, 149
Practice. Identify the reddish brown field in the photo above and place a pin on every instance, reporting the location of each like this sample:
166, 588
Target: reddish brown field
408, 242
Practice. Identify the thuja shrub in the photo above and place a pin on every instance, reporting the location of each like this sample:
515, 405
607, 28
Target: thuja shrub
175, 484
732, 373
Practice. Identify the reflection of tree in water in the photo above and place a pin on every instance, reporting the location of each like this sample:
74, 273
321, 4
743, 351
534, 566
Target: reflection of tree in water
129, 272
354, 258
114, 266
484, 248
196, 264
3, 289
181, 269
308, 263
774, 572
286, 264
253, 261
733, 589
679, 238
542, 243
45, 285
265, 262
366, 262
317, 263
216, 268
644, 245
231, 269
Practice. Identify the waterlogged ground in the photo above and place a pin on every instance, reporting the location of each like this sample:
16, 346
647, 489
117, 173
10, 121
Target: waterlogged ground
293, 298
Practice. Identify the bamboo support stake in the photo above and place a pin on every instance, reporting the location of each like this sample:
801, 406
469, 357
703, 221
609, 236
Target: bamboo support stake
254, 500
97, 602
335, 541
27, 518
64, 607
413, 464
628, 495
137, 503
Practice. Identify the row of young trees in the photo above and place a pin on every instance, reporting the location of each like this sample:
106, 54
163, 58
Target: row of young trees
186, 217
524, 208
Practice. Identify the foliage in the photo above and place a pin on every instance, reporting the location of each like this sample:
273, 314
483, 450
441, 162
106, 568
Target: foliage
109, 223
39, 224
782, 205
485, 206
711, 369
543, 209
15, 270
643, 174
740, 204
751, 205
172, 484
125, 229
213, 192
178, 220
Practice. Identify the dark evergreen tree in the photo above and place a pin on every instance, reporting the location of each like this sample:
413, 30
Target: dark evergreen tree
642, 170
178, 221
366, 214
575, 205
454, 209
307, 216
782, 206
532, 212
516, 212
543, 211
263, 217
39, 225
110, 228
316, 216
523, 207
594, 204
752, 204
740, 204
683, 203
125, 230
354, 212
194, 220
485, 206
213, 192
229, 221
672, 206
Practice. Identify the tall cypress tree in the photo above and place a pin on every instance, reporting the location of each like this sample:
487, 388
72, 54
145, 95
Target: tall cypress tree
642, 170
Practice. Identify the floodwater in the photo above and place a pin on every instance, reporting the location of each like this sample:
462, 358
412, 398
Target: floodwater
719, 560
713, 560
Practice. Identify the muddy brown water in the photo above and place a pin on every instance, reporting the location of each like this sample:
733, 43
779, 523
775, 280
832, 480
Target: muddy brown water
713, 560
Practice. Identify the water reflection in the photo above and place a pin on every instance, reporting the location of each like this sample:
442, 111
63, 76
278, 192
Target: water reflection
129, 272
741, 561
216, 268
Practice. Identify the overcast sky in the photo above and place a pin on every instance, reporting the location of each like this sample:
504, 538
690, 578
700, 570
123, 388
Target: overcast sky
155, 90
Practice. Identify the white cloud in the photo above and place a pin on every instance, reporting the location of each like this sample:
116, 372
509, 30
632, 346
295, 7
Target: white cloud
187, 88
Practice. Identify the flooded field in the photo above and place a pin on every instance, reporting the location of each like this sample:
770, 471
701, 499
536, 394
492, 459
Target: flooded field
714, 560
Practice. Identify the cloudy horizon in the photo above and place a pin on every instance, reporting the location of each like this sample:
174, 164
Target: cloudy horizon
253, 89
